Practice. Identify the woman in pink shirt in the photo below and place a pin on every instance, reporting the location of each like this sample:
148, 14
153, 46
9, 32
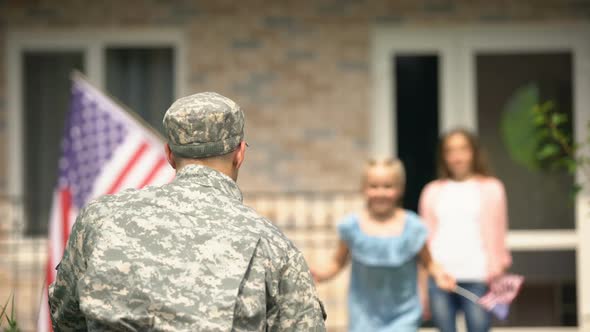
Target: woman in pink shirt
465, 212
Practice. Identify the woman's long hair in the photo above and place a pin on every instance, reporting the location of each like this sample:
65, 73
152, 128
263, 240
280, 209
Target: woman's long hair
479, 164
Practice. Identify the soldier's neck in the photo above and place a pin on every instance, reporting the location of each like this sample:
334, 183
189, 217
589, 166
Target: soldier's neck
218, 165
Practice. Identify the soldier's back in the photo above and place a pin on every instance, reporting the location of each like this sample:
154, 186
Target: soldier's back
185, 256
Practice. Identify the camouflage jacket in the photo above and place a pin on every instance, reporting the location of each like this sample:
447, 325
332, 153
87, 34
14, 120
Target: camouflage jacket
186, 256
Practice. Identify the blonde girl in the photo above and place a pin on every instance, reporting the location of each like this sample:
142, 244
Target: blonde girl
385, 243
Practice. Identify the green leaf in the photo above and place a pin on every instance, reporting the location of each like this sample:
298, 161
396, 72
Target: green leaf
568, 164
12, 320
575, 146
546, 107
558, 119
548, 151
12, 311
542, 134
517, 126
576, 188
540, 120
560, 136
572, 166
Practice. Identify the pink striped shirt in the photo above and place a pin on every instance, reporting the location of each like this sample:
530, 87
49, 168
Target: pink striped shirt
493, 218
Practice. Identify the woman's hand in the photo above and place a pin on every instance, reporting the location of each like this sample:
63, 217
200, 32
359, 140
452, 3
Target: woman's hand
444, 280
493, 273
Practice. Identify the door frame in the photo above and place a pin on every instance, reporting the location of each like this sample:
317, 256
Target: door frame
455, 46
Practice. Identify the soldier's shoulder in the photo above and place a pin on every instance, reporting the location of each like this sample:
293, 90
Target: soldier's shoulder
272, 238
125, 199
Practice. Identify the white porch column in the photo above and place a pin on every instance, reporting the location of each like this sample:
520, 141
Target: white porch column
582, 120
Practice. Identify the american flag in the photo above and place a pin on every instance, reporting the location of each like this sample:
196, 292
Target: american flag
503, 291
104, 150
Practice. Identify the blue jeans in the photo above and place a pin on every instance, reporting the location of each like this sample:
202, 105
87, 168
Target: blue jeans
444, 307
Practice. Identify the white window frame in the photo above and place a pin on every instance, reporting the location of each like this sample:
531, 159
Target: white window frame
93, 44
456, 47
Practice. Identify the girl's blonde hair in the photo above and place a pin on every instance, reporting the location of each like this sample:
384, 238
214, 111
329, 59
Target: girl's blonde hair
396, 166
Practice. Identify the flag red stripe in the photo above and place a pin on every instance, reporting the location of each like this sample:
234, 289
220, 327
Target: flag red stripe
48, 269
148, 179
132, 161
50, 279
66, 204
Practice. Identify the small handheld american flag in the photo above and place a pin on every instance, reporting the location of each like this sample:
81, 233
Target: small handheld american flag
503, 291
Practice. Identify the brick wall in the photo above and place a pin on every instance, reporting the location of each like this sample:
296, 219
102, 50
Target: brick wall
299, 68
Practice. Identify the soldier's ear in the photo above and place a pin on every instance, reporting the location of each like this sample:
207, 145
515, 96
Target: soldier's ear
240, 155
170, 156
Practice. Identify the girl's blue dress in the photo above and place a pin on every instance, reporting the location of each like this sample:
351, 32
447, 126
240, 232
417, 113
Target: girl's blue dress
383, 293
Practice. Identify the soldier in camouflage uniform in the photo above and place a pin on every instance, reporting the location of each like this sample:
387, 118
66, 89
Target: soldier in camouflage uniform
186, 256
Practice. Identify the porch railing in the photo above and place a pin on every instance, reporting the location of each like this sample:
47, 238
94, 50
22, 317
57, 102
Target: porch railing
309, 219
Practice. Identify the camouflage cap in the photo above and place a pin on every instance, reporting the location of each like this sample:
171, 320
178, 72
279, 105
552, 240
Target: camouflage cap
204, 125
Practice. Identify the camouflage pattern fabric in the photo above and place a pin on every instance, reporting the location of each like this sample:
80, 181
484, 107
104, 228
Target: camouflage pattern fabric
203, 125
187, 256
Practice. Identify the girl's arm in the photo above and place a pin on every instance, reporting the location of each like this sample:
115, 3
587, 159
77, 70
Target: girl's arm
336, 264
423, 292
443, 280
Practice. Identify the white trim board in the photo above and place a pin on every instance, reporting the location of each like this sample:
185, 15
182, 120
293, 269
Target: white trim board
542, 240
92, 42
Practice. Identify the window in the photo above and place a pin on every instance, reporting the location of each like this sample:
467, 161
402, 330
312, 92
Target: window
45, 100
139, 73
524, 77
143, 79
